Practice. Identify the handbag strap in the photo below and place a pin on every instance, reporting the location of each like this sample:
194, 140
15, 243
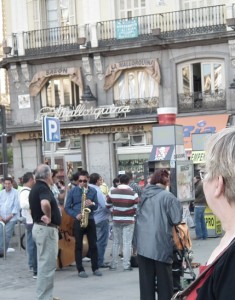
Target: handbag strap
191, 287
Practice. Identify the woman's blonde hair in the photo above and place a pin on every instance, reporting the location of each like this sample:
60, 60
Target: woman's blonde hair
220, 160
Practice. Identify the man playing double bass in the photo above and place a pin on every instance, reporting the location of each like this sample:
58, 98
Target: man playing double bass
81, 198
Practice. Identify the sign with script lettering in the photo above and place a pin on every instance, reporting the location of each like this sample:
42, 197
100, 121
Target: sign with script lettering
66, 113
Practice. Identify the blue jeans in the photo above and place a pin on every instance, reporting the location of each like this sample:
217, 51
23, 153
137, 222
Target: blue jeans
200, 224
9, 227
31, 248
102, 232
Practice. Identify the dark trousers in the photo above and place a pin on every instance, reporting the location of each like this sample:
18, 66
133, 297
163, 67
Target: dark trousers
79, 232
149, 269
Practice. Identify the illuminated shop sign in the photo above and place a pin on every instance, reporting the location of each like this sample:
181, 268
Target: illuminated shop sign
66, 113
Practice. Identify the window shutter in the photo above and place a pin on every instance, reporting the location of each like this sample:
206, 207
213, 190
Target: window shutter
30, 13
72, 12
43, 14
36, 15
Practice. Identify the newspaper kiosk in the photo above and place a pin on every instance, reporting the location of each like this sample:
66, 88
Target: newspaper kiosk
168, 152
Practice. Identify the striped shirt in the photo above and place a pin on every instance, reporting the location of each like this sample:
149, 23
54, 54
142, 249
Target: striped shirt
123, 201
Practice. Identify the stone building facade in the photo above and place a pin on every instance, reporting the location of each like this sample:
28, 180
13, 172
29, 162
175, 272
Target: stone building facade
106, 78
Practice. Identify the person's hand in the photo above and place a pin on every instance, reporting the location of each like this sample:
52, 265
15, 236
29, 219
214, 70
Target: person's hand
45, 219
3, 220
8, 218
79, 217
89, 202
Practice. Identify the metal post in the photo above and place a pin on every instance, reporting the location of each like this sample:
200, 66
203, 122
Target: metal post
19, 237
52, 148
26, 240
4, 141
4, 238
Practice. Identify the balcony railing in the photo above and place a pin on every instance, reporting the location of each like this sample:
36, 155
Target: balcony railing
174, 24
171, 24
54, 39
198, 101
138, 106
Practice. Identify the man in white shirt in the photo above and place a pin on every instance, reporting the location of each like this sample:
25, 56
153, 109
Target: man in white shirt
28, 181
9, 211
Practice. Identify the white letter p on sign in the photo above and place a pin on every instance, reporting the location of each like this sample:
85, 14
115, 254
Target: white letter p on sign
52, 128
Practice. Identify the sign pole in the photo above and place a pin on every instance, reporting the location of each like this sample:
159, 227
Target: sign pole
52, 148
51, 134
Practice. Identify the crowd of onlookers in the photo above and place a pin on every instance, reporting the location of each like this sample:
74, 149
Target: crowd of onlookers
133, 212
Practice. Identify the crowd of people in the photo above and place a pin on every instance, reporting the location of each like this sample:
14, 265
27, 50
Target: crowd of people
143, 220
38, 199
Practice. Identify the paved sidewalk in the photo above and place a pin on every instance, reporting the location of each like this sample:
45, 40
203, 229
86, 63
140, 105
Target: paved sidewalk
16, 282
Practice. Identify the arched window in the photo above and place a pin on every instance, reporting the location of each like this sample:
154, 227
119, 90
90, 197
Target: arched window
205, 76
60, 91
201, 85
135, 84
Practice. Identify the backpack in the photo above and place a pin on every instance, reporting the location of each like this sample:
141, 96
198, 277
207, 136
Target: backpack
181, 237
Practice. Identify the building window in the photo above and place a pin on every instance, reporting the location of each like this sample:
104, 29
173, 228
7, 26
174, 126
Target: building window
205, 77
189, 4
72, 143
57, 12
201, 85
52, 13
60, 91
135, 84
131, 8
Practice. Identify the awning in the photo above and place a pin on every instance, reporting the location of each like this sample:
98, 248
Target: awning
201, 124
40, 78
114, 71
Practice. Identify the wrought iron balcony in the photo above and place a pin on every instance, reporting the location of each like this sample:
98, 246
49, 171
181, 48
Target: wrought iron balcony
53, 40
138, 106
199, 102
175, 24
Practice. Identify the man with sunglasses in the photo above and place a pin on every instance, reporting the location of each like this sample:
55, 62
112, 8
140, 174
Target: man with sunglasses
73, 208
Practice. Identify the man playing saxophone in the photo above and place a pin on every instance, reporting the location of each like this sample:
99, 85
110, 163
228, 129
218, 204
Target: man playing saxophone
80, 204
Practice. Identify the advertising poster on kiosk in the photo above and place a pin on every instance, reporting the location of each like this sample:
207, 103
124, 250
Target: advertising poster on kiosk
184, 180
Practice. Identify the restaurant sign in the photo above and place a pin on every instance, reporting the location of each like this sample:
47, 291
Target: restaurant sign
66, 113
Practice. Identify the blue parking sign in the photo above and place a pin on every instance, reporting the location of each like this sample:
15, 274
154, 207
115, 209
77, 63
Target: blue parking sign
51, 130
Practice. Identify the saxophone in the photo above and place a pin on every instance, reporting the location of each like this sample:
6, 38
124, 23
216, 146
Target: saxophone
84, 210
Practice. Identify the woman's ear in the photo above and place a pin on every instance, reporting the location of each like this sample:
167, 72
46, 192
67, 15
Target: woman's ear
219, 188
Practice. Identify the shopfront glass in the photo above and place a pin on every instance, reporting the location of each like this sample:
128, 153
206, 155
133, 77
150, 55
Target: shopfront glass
132, 163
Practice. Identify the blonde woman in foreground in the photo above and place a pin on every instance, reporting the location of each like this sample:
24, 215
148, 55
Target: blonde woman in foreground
219, 189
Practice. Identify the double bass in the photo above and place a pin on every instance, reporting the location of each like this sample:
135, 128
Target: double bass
66, 253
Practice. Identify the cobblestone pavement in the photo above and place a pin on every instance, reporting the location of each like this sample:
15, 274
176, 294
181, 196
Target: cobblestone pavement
16, 282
